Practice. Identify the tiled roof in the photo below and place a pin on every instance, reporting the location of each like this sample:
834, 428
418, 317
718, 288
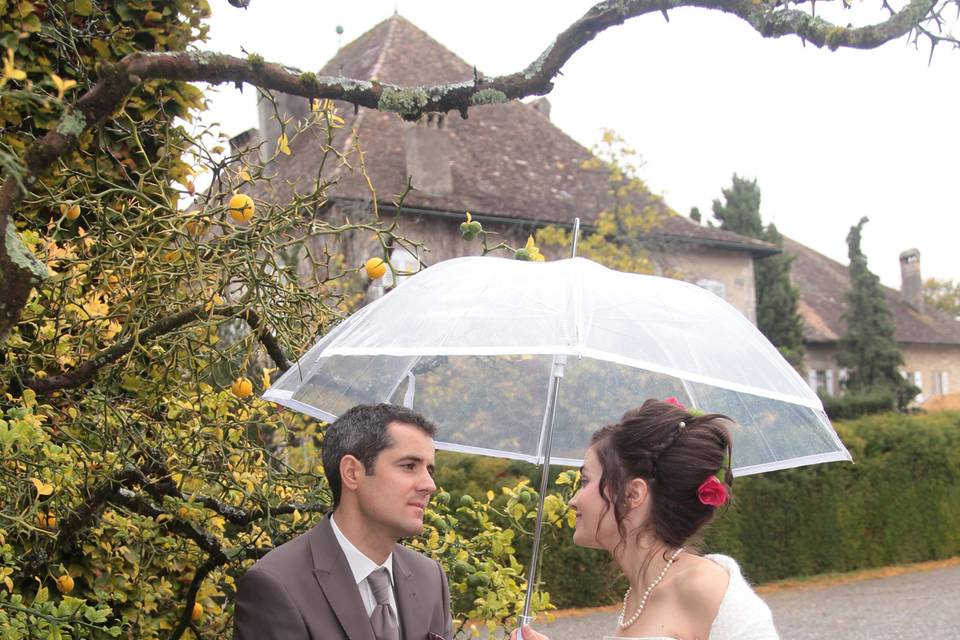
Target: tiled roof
507, 160
823, 284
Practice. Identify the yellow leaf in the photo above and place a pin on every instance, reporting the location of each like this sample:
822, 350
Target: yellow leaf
490, 495
282, 144
10, 71
43, 489
469, 218
62, 85
530, 243
244, 175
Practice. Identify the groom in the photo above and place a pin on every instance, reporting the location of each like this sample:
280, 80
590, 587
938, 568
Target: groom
347, 577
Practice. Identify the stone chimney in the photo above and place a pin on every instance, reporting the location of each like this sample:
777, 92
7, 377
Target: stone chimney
428, 152
911, 283
243, 142
542, 105
289, 109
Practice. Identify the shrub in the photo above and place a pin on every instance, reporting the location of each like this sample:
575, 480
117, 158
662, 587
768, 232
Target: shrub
854, 405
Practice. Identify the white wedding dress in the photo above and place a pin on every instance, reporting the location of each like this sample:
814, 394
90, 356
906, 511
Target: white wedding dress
742, 615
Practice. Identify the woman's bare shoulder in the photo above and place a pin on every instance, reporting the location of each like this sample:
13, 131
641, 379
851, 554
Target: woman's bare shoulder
700, 586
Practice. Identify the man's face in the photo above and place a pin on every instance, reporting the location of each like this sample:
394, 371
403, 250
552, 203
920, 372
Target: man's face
392, 499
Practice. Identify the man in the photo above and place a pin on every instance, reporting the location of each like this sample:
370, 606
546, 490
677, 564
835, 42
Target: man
347, 577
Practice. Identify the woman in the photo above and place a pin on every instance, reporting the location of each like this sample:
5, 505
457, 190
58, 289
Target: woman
648, 484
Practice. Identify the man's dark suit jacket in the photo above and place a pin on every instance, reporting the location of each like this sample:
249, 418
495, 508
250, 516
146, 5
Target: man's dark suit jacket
305, 589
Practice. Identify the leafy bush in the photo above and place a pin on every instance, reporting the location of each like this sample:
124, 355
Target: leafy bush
856, 404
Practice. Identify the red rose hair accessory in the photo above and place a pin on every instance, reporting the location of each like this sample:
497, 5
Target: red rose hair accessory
672, 400
712, 492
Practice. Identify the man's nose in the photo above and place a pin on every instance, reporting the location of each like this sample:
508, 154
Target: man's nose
427, 484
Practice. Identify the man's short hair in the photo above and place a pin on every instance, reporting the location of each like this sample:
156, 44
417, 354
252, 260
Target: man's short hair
362, 433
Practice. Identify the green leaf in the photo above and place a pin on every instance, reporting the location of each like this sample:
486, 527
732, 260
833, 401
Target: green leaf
83, 7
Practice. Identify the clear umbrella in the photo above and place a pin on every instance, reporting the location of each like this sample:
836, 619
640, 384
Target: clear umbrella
480, 345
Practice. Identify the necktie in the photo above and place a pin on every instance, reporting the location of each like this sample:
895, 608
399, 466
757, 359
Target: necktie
383, 619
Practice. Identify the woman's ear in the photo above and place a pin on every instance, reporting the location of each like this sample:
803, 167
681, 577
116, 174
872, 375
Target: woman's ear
637, 492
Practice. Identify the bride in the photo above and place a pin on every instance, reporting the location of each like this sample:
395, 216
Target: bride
648, 484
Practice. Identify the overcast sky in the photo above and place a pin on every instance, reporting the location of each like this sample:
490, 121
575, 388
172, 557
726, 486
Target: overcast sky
830, 136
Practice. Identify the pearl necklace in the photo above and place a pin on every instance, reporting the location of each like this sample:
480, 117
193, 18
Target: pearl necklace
646, 594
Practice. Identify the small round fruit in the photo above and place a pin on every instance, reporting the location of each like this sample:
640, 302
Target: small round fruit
466, 500
241, 207
470, 230
376, 268
242, 388
70, 211
522, 254
197, 612
65, 583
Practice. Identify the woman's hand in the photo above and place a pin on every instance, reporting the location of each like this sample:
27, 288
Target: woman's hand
528, 634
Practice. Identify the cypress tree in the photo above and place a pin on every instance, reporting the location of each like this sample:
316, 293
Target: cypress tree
777, 315
868, 349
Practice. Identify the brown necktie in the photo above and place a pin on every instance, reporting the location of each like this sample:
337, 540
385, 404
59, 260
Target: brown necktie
383, 619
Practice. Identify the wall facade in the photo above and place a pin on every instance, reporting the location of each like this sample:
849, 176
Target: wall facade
934, 368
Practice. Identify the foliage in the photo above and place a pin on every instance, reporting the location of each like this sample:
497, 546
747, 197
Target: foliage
135, 455
856, 404
777, 315
621, 232
943, 295
868, 349
899, 503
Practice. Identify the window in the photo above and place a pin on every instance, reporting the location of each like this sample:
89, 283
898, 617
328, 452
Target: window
941, 383
713, 286
404, 262
821, 381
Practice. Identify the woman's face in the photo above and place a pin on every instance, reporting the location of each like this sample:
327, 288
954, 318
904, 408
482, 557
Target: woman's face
596, 525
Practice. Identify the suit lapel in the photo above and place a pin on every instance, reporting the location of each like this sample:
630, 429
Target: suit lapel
333, 574
413, 616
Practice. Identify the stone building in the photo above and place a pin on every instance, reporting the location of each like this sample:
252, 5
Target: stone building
928, 338
507, 164
515, 172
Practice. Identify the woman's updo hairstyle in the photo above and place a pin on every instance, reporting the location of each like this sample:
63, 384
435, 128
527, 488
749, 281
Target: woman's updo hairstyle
675, 452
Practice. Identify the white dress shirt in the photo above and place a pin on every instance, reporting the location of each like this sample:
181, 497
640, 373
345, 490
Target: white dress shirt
362, 566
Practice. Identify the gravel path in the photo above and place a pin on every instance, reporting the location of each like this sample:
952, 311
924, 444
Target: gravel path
920, 604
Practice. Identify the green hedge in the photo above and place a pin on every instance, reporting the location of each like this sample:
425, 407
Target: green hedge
898, 503
851, 406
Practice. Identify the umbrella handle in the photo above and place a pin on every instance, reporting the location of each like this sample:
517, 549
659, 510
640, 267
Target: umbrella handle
522, 620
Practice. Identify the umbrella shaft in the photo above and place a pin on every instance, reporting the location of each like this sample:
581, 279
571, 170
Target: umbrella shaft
547, 438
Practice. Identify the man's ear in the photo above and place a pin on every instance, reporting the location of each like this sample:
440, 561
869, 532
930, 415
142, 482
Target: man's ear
637, 492
351, 471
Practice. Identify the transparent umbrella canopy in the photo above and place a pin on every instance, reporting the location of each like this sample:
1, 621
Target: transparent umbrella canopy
480, 345
474, 343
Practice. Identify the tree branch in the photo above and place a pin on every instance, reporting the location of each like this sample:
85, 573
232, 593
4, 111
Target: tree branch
19, 273
117, 491
86, 371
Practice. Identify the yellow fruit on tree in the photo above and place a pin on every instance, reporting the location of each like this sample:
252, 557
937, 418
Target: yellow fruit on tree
197, 611
47, 520
241, 207
376, 268
65, 583
70, 211
242, 387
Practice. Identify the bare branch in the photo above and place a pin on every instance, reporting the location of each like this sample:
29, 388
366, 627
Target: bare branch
87, 370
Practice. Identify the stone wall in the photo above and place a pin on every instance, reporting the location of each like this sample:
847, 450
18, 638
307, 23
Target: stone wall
935, 368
